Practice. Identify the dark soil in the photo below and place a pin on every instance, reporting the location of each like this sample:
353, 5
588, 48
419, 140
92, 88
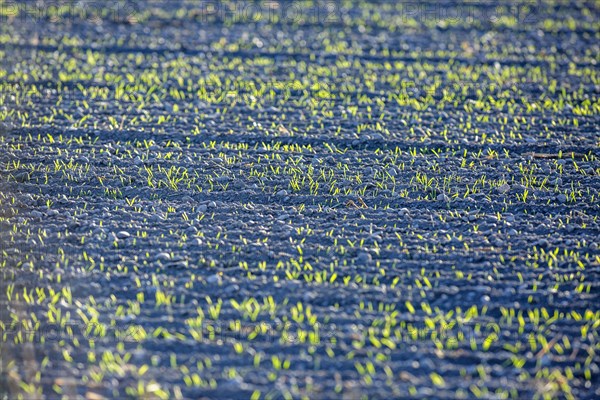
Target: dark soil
359, 199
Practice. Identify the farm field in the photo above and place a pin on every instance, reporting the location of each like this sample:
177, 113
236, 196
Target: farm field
280, 200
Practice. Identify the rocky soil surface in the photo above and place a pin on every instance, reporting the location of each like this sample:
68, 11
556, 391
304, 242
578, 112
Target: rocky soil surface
339, 199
